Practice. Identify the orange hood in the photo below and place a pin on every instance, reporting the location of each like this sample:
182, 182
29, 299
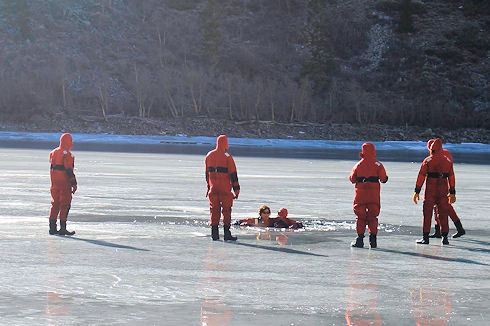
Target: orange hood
368, 151
429, 143
436, 147
66, 142
222, 143
283, 212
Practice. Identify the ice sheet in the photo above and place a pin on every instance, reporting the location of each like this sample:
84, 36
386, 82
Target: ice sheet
142, 254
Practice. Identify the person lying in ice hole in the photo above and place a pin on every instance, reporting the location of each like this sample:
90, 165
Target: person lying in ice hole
282, 220
264, 219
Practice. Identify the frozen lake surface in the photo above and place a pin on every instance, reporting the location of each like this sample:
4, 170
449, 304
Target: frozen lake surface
142, 254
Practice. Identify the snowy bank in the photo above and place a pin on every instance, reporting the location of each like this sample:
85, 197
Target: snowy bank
321, 149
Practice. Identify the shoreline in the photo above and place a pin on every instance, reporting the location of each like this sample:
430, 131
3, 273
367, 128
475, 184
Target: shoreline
401, 151
208, 127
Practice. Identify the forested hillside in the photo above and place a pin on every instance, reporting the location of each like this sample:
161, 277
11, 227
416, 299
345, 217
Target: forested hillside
393, 62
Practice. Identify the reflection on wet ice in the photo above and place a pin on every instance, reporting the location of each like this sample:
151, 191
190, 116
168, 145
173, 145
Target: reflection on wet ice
430, 306
213, 311
279, 237
362, 296
56, 305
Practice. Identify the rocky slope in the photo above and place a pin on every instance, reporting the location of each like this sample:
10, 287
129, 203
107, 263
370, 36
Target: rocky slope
169, 65
264, 129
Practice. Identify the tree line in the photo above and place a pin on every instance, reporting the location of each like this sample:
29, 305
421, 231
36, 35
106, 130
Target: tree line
281, 60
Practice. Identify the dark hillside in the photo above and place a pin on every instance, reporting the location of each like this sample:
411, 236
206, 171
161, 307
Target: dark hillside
93, 63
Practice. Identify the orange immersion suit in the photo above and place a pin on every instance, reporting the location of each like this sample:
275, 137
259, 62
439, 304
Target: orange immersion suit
437, 169
221, 177
282, 220
451, 212
63, 180
366, 175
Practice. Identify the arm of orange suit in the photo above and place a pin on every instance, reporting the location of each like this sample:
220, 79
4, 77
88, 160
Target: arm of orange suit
249, 221
353, 175
452, 181
452, 186
421, 177
233, 176
382, 174
420, 182
206, 173
69, 164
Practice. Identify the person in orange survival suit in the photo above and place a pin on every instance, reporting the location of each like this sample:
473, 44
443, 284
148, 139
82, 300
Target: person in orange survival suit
366, 175
438, 170
452, 213
221, 177
282, 220
63, 184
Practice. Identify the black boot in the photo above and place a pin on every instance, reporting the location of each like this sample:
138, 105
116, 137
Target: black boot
52, 227
63, 230
228, 236
359, 241
372, 241
444, 238
214, 232
425, 239
460, 229
437, 232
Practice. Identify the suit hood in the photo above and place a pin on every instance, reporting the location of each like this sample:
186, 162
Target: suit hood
436, 147
66, 142
368, 151
222, 143
429, 143
283, 212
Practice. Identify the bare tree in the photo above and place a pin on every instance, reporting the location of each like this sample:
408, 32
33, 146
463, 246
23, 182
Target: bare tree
144, 91
102, 86
230, 101
272, 86
59, 70
293, 99
103, 4
161, 44
172, 87
259, 86
196, 84
363, 102
332, 96
304, 100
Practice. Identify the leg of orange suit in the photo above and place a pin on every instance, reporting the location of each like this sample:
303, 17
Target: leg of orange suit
427, 209
65, 202
443, 207
220, 202
452, 214
214, 208
372, 218
227, 203
436, 215
361, 217
55, 203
